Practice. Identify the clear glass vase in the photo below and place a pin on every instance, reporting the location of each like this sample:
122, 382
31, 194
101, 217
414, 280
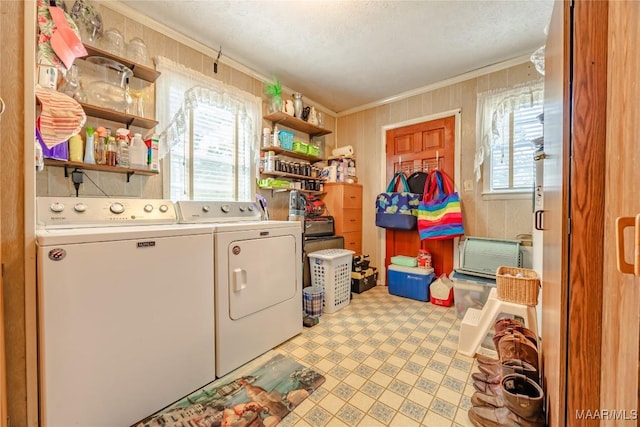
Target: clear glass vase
276, 104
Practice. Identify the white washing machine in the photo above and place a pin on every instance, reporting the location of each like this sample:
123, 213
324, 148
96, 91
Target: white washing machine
125, 311
258, 279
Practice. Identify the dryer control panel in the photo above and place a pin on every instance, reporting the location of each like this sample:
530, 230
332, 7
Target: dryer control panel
73, 212
216, 211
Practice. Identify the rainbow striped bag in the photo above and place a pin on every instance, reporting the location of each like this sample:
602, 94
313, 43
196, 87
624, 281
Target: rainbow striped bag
439, 212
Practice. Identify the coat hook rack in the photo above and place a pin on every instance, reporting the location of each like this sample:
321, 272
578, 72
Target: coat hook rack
215, 63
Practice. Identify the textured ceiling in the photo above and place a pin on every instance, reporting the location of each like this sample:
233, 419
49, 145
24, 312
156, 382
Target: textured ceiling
344, 54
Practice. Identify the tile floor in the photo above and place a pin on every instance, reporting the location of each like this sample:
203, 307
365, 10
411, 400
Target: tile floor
387, 360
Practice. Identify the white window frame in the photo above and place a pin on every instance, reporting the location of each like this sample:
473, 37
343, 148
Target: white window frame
176, 117
494, 108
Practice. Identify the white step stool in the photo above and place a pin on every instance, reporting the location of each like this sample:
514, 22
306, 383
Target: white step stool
477, 323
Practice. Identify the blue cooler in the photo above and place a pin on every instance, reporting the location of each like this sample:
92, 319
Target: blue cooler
410, 282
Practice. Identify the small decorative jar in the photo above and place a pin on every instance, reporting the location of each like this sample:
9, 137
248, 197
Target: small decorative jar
313, 117
297, 104
288, 107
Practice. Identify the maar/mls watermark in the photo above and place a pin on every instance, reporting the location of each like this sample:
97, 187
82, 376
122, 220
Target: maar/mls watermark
607, 414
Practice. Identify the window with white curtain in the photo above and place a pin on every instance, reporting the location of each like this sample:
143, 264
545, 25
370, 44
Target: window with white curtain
507, 125
210, 138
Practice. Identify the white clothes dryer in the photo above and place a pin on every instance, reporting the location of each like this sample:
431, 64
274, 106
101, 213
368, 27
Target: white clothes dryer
258, 279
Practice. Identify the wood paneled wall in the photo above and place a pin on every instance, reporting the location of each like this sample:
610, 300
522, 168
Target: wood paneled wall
363, 130
12, 204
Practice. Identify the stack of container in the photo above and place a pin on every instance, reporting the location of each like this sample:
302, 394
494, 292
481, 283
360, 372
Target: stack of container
407, 280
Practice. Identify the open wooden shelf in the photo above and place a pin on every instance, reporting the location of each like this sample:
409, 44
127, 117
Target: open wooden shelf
117, 116
102, 168
288, 175
281, 189
295, 123
140, 71
279, 150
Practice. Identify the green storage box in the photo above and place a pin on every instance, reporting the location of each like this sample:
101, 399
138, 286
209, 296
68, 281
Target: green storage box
300, 147
313, 150
404, 260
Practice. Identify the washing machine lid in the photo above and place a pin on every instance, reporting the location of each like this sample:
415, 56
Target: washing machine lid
48, 237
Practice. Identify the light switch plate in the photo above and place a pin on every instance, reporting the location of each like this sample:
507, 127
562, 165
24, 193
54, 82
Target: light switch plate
467, 186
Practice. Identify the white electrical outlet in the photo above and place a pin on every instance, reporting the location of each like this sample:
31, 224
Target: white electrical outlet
467, 186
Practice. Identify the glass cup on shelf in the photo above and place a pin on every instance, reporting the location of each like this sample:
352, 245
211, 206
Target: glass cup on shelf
137, 51
113, 41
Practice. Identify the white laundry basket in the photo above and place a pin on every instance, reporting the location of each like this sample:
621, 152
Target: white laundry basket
331, 270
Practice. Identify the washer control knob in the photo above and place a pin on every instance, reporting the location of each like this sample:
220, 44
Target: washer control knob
116, 208
242, 209
250, 208
225, 208
205, 208
148, 208
164, 208
80, 207
57, 207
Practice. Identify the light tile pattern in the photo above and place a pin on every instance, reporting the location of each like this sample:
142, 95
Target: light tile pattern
388, 361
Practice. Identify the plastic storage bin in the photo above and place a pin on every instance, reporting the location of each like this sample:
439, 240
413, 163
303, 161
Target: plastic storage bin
286, 139
410, 282
331, 270
300, 147
470, 291
313, 150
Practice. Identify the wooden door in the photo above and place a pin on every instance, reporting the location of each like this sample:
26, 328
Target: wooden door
421, 147
555, 186
621, 293
574, 247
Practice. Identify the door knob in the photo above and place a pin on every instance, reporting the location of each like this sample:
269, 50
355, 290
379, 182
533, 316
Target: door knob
623, 266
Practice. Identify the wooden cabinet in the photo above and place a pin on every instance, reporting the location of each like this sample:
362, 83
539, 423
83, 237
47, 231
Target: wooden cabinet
344, 203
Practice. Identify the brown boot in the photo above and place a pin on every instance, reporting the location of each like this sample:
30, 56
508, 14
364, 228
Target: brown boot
494, 373
491, 377
517, 393
502, 324
523, 396
510, 330
516, 346
487, 416
486, 360
487, 388
481, 399
518, 402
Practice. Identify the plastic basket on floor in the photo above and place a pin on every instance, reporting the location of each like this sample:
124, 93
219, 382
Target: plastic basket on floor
312, 301
331, 270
